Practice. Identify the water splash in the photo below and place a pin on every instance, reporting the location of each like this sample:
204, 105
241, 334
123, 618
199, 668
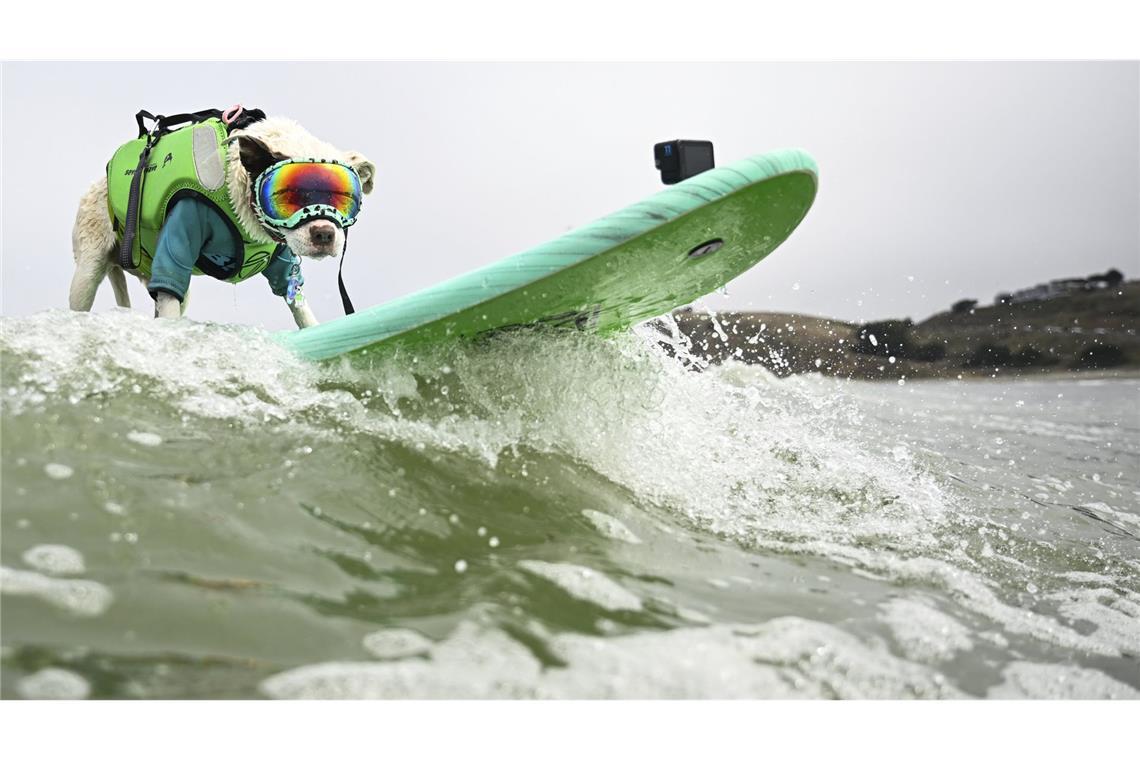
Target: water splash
604, 497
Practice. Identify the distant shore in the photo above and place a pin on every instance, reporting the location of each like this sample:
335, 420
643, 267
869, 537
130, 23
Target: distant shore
1091, 333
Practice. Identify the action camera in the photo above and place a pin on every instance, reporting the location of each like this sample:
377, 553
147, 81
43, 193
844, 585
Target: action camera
681, 159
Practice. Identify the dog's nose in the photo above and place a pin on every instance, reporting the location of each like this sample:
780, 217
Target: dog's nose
322, 233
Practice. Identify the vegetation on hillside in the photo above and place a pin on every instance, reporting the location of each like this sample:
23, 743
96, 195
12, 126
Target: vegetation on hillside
1080, 330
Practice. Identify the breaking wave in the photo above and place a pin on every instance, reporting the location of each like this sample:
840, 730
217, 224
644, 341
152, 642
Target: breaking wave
191, 510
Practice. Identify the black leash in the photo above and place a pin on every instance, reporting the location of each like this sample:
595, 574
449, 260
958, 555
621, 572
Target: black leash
345, 301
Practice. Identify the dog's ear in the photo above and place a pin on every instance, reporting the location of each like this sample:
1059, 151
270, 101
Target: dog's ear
256, 156
364, 168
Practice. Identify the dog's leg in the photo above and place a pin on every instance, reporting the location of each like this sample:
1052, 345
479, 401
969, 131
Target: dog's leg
89, 273
92, 245
119, 285
185, 303
166, 306
302, 314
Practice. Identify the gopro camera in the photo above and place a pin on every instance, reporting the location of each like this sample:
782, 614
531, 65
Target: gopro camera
681, 159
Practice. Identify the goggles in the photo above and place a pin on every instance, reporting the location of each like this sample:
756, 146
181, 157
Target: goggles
294, 191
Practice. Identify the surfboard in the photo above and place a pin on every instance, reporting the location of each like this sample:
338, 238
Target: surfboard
638, 263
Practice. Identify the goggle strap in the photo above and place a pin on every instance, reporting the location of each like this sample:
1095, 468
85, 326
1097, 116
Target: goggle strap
345, 301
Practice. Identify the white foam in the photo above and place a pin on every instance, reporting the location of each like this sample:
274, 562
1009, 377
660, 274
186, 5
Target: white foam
55, 559
86, 354
144, 439
395, 643
80, 597
924, 633
610, 526
1034, 680
472, 664
967, 588
584, 583
783, 658
57, 471
53, 683
786, 657
1115, 615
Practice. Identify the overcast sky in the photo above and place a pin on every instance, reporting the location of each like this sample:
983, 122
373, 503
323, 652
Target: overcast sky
938, 181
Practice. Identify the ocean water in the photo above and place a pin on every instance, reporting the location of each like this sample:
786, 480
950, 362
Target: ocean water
189, 511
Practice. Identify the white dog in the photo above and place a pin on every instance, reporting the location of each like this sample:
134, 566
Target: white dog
250, 151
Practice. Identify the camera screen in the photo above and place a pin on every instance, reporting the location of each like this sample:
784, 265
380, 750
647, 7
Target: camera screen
698, 158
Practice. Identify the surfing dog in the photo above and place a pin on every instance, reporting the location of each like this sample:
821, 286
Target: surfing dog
275, 156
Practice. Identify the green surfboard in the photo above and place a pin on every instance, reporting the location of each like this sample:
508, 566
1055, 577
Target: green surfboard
641, 262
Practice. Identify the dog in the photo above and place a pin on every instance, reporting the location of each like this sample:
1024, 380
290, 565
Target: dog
250, 151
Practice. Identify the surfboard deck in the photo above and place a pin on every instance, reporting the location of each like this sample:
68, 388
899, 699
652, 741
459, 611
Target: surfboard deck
641, 262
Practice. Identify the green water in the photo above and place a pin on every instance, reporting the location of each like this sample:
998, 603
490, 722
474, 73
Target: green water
189, 511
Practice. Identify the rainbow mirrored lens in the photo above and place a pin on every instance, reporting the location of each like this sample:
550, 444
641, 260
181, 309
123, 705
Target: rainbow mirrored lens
288, 189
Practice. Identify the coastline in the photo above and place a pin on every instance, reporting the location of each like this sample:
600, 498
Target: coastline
1092, 334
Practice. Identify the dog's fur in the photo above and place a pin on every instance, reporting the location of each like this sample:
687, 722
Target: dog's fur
251, 150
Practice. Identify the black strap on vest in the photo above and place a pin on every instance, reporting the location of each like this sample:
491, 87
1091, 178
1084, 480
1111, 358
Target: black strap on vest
131, 222
345, 301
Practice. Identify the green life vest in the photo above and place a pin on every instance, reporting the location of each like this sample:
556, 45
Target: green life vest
190, 161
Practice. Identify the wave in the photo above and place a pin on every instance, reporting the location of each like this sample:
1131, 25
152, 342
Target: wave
541, 485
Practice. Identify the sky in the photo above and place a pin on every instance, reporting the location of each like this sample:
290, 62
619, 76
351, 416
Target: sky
938, 181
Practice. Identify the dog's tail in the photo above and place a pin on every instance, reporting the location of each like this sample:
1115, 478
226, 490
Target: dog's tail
119, 285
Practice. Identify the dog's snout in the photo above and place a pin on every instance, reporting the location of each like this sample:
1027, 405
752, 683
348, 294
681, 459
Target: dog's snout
322, 233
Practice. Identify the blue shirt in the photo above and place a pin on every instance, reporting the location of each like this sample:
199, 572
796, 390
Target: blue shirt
195, 230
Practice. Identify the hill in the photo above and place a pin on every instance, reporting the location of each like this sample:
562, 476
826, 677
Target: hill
1078, 331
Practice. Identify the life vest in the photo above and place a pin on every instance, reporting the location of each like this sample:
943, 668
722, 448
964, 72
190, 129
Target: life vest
187, 162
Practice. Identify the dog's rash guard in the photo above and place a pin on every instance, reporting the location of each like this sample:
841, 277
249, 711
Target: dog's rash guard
193, 229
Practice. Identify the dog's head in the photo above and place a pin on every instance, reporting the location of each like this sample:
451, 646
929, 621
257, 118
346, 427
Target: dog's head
254, 149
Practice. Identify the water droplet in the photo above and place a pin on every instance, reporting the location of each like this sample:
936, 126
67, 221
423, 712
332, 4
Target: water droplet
144, 439
57, 471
